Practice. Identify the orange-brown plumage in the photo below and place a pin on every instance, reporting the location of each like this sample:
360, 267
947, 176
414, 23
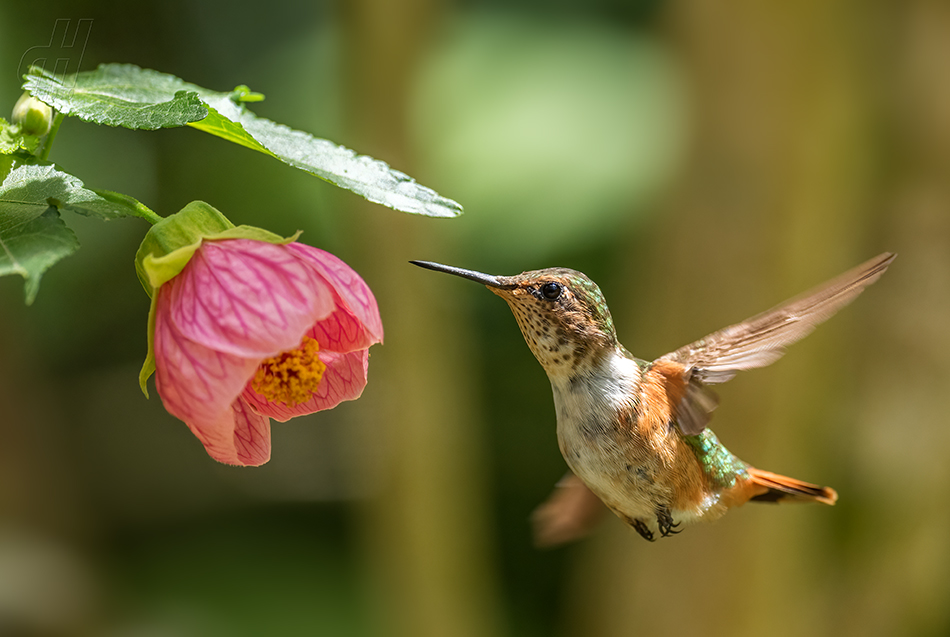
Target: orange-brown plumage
772, 487
661, 388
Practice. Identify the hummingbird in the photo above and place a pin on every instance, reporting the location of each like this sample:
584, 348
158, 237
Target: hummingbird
635, 433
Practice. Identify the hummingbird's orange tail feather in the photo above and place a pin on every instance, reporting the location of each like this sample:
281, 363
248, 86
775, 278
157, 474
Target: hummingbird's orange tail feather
772, 487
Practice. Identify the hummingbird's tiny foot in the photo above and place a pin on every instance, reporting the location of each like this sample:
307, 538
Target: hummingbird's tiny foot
664, 520
641, 527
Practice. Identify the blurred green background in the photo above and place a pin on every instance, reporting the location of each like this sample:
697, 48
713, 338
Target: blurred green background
701, 161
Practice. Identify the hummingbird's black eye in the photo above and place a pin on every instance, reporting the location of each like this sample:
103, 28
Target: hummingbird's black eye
551, 291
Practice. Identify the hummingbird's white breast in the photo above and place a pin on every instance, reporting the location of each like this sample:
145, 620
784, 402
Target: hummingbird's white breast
600, 443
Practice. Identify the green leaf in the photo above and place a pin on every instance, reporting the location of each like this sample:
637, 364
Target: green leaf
371, 178
125, 95
32, 236
6, 165
43, 184
220, 126
119, 95
12, 139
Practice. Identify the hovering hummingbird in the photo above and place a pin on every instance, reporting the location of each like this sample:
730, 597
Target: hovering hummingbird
633, 432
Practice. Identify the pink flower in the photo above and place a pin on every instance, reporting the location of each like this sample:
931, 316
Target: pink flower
251, 330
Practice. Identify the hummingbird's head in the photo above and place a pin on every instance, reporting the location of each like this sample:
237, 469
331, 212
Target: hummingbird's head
562, 314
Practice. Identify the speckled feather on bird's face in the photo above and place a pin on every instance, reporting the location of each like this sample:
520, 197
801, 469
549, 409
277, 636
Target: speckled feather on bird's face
562, 315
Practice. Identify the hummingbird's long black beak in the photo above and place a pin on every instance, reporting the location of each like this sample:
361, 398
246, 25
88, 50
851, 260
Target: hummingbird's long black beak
478, 277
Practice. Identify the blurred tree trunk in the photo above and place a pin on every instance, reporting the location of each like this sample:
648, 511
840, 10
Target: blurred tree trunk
790, 183
427, 533
898, 557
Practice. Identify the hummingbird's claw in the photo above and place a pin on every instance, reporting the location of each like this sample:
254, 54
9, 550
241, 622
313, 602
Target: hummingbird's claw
664, 519
641, 527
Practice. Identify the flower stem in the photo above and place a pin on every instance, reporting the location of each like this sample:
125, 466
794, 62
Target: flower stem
51, 135
141, 209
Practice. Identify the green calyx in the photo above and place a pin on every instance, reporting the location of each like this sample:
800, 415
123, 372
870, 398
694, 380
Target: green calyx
170, 243
168, 247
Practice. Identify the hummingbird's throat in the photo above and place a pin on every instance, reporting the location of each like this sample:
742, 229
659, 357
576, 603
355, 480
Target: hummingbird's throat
550, 343
290, 377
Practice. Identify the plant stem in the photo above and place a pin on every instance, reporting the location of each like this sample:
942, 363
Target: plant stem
51, 135
141, 209
147, 213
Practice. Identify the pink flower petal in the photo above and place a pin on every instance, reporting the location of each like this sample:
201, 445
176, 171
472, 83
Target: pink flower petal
251, 435
239, 437
247, 298
342, 332
197, 385
351, 290
344, 379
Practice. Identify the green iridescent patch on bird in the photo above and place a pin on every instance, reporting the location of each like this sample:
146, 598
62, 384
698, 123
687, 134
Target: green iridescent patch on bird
597, 304
718, 463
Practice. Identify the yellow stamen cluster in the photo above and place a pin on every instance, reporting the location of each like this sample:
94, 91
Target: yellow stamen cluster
291, 377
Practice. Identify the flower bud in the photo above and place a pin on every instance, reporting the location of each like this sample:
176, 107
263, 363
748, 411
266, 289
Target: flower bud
32, 116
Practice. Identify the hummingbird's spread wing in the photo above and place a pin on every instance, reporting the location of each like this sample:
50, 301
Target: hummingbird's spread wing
759, 341
569, 513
